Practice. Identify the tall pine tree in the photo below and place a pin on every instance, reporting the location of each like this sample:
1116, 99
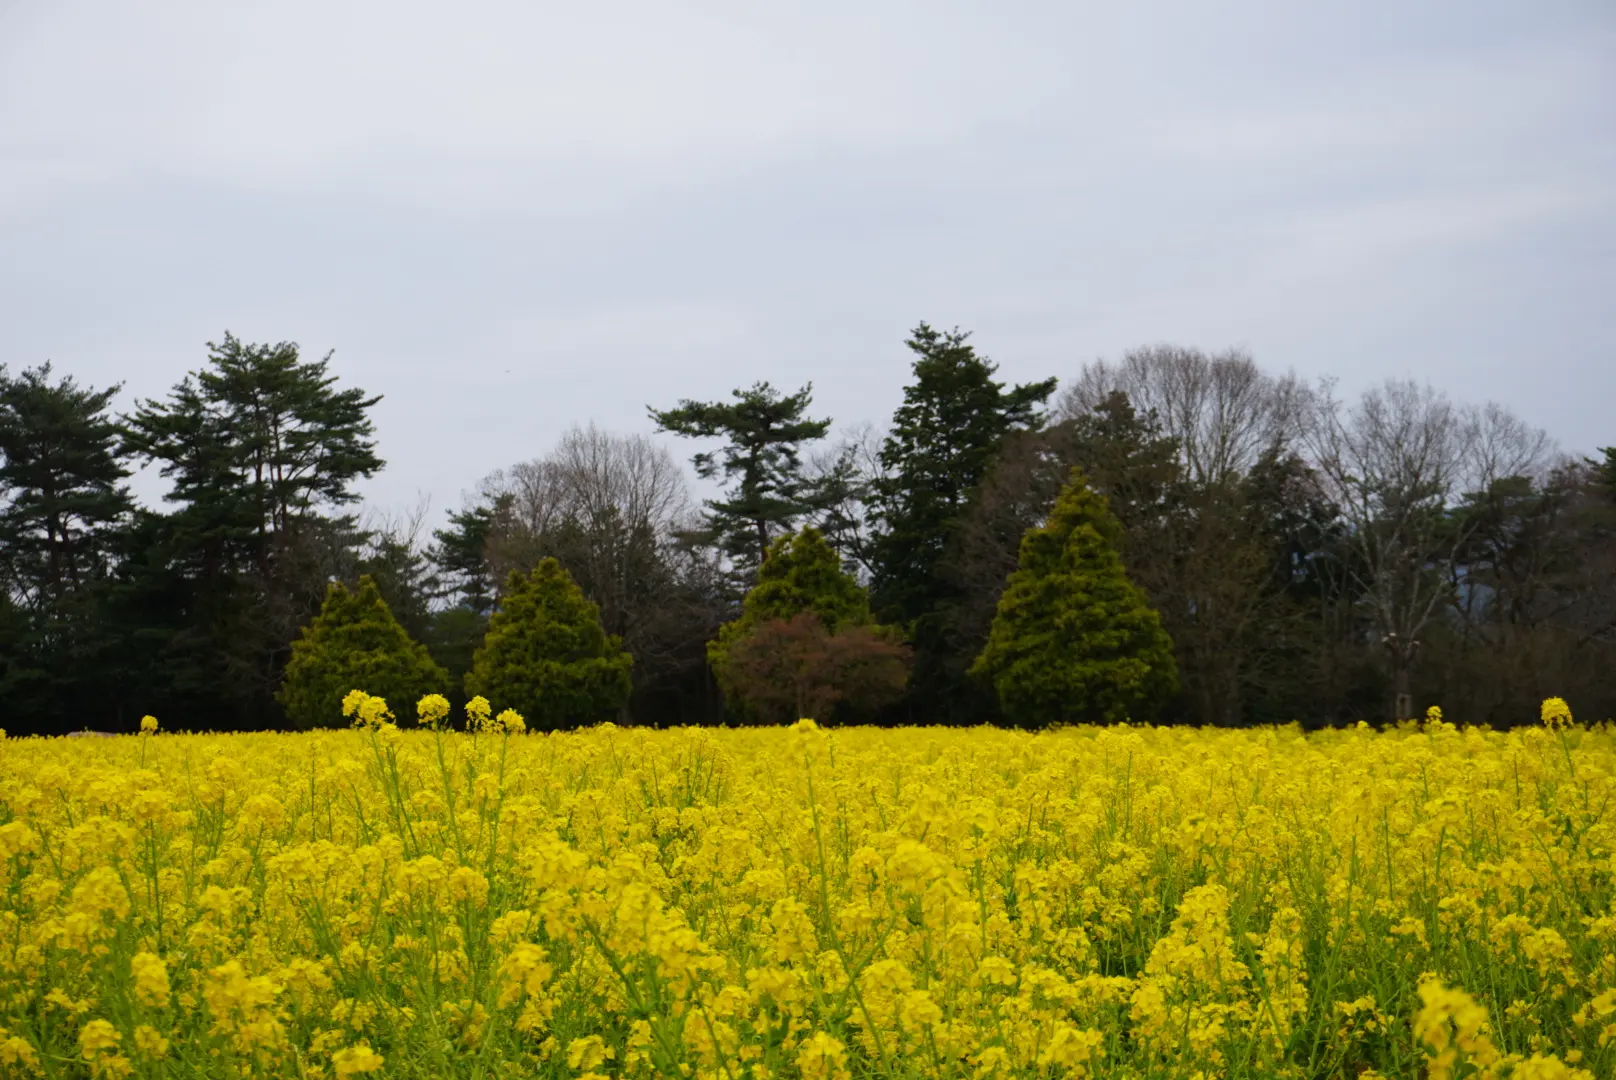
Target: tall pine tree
1074, 640
63, 511
62, 478
263, 451
761, 459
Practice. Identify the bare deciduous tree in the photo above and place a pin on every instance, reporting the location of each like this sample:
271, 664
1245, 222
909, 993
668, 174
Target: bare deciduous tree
1395, 463
1194, 544
844, 476
611, 508
1224, 411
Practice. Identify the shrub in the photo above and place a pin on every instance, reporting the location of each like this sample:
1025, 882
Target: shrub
1073, 639
786, 669
805, 641
354, 643
547, 656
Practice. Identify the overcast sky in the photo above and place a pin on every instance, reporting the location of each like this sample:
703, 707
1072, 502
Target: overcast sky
508, 218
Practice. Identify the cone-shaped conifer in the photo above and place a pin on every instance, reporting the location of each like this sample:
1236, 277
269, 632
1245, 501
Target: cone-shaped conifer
547, 656
1074, 640
354, 643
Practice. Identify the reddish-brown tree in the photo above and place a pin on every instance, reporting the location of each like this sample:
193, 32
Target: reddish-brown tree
787, 669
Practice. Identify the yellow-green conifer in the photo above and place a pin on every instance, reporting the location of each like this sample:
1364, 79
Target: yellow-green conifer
1073, 639
547, 656
354, 643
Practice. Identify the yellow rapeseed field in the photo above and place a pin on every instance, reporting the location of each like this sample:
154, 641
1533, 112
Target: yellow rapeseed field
729, 904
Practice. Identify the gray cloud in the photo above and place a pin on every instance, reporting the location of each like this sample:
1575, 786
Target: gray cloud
510, 217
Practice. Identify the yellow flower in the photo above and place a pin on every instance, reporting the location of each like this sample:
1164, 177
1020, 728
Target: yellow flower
19, 1055
432, 709
358, 1058
368, 711
151, 1042
477, 713
772, 904
587, 1052
468, 885
97, 1037
1556, 713
1451, 1023
148, 725
373, 712
150, 978
523, 972
98, 1045
510, 721
1072, 1049
822, 1057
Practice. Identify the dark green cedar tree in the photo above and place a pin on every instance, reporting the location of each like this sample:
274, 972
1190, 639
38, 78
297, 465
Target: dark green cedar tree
954, 419
547, 656
1074, 640
1124, 458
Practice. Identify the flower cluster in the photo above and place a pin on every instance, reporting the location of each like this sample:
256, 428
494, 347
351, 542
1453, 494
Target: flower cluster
811, 903
432, 710
1556, 713
367, 711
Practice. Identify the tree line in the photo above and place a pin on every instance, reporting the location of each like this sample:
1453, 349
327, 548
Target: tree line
1176, 535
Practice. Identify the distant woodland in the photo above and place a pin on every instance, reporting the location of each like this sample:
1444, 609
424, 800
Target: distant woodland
1173, 536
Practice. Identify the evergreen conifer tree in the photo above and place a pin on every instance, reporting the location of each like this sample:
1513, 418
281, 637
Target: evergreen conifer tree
1074, 640
354, 643
63, 477
547, 656
765, 432
954, 419
263, 451
64, 513
459, 553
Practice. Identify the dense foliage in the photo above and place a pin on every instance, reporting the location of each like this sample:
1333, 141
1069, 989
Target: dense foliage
787, 669
547, 656
1075, 641
1309, 556
354, 642
944, 437
63, 512
764, 432
811, 905
806, 642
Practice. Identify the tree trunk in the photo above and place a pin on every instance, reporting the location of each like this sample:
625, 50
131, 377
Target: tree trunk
1403, 703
